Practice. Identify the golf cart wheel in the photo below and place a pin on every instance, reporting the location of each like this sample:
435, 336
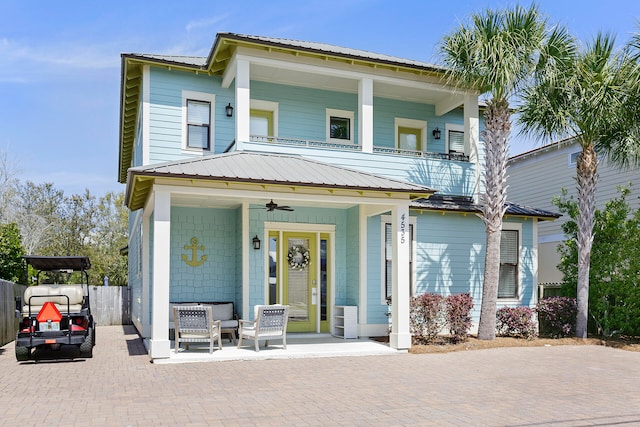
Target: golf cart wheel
86, 348
22, 353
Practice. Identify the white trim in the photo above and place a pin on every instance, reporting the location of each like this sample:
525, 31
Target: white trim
258, 104
363, 234
204, 97
343, 114
413, 124
386, 219
534, 261
299, 226
456, 128
280, 62
517, 227
146, 103
246, 275
571, 163
365, 114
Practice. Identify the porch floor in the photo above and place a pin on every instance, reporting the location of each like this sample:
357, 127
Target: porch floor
298, 346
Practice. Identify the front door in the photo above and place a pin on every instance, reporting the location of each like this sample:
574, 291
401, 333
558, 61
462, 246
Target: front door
300, 290
301, 261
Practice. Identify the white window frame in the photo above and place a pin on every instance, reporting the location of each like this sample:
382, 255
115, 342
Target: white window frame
258, 104
330, 112
414, 124
455, 128
188, 95
518, 228
571, 160
386, 219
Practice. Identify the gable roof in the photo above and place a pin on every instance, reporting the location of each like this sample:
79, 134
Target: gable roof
264, 168
440, 202
216, 62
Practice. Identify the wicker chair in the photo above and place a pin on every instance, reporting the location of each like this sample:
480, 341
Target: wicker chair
194, 323
270, 322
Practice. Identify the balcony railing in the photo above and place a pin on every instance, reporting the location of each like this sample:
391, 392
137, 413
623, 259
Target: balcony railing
356, 147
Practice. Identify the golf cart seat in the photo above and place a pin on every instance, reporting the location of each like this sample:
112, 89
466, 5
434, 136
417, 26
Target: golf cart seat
37, 296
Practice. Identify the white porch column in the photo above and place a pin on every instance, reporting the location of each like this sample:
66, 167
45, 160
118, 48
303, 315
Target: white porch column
246, 309
400, 335
243, 102
365, 114
160, 346
146, 311
472, 138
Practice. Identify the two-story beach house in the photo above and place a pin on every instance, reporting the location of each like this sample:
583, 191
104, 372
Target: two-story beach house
282, 171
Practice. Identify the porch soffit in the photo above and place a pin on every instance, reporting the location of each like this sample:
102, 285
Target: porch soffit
266, 172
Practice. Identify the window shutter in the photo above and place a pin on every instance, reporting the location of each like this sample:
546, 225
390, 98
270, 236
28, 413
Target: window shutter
456, 141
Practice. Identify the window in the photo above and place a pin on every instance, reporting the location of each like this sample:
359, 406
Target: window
261, 123
340, 126
263, 119
409, 139
573, 158
197, 123
509, 256
456, 142
198, 114
455, 138
388, 255
411, 134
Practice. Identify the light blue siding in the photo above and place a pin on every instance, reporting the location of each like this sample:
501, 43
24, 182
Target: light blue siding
449, 259
165, 113
217, 278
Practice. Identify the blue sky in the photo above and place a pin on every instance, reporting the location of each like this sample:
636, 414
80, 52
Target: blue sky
60, 60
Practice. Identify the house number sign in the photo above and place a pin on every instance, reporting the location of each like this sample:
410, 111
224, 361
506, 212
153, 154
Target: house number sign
194, 261
403, 228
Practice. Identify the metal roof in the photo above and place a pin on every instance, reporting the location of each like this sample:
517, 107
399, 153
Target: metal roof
442, 202
265, 168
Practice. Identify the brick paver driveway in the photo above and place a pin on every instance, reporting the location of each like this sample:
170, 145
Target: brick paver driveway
562, 386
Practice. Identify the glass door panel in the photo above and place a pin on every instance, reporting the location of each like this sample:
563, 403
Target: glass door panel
300, 291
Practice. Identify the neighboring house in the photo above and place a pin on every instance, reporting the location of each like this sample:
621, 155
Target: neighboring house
537, 176
352, 144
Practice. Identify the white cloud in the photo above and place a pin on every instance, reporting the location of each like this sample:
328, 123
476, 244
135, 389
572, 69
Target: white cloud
192, 25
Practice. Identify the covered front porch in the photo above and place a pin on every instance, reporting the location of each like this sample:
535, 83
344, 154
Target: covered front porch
222, 203
299, 345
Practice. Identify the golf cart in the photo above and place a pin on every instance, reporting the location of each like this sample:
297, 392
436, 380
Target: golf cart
55, 319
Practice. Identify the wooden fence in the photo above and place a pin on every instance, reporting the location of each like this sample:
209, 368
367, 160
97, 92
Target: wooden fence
110, 305
8, 320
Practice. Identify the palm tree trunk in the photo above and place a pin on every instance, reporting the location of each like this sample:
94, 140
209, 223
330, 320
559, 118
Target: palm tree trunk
587, 177
496, 146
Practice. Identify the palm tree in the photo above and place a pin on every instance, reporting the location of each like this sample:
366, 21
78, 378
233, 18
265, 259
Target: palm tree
594, 100
496, 53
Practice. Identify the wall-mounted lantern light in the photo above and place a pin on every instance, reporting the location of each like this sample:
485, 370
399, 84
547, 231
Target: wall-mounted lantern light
256, 242
229, 110
436, 133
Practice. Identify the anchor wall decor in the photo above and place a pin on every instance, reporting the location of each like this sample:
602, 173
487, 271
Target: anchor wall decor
194, 261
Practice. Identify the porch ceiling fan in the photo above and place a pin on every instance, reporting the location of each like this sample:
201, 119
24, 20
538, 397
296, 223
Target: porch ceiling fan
272, 206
